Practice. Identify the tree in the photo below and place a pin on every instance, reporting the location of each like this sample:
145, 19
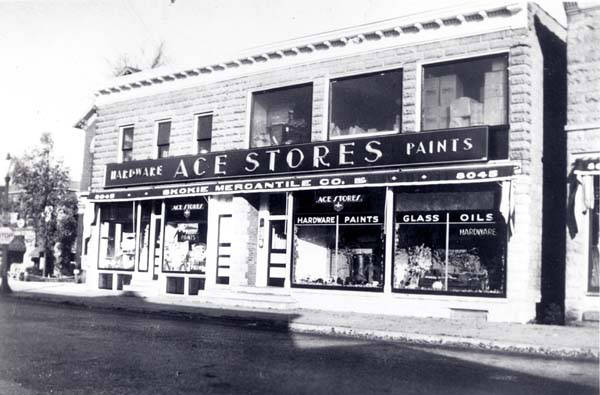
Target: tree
46, 201
126, 64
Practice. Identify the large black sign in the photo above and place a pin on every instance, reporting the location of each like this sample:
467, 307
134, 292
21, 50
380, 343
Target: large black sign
455, 145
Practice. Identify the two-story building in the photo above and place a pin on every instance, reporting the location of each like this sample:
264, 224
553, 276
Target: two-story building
391, 168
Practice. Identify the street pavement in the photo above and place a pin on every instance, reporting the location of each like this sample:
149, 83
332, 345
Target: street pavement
576, 342
56, 348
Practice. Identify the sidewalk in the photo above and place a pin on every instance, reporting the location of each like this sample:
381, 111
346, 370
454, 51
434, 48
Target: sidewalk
578, 342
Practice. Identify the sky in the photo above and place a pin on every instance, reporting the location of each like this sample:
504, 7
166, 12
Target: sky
56, 54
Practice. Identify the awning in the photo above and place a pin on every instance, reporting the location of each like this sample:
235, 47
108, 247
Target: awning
17, 244
585, 166
37, 252
388, 177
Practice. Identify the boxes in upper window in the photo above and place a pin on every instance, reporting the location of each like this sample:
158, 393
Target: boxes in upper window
440, 91
435, 117
494, 97
465, 111
451, 87
431, 92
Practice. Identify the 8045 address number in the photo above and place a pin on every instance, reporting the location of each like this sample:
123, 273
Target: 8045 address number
471, 175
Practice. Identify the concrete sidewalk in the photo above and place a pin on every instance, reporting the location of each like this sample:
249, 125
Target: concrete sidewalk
578, 342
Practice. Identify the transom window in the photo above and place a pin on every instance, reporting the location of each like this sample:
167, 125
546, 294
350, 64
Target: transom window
465, 93
281, 116
366, 104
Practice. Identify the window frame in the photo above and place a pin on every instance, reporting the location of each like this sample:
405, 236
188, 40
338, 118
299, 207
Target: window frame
593, 227
120, 142
292, 251
156, 135
420, 78
100, 237
329, 104
264, 89
197, 131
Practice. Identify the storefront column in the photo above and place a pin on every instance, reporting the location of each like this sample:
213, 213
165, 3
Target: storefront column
389, 239
290, 237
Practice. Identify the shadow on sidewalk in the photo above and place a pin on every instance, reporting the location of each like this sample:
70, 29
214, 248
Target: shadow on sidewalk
75, 348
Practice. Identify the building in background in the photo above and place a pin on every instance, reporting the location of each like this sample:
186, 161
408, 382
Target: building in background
393, 168
582, 296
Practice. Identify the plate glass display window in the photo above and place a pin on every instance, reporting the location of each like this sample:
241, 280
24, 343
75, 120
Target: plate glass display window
117, 236
338, 239
450, 239
185, 236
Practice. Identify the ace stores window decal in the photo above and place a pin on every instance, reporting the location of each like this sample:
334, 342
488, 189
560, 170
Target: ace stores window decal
338, 239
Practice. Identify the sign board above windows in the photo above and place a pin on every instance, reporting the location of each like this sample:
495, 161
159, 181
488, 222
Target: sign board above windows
448, 146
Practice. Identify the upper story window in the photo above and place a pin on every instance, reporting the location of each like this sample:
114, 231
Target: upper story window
203, 133
126, 143
163, 138
365, 104
281, 116
465, 93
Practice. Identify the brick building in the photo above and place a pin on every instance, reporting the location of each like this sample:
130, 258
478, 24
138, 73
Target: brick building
582, 128
392, 168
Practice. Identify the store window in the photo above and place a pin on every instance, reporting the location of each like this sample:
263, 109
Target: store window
117, 237
127, 143
450, 239
465, 93
203, 133
185, 236
594, 250
365, 104
338, 239
163, 138
281, 116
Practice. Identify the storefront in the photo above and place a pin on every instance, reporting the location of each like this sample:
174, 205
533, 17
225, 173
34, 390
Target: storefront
395, 171
583, 240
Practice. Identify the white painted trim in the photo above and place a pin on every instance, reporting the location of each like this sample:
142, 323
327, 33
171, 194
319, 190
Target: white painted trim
249, 95
356, 136
325, 108
389, 240
420, 65
582, 126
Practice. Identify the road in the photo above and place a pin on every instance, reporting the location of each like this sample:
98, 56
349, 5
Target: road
60, 349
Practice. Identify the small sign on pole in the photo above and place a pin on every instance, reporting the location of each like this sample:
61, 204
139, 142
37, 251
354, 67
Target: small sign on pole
6, 235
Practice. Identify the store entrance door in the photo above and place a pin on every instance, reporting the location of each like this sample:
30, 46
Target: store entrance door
277, 254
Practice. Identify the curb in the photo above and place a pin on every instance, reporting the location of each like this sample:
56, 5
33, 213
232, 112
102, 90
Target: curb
281, 324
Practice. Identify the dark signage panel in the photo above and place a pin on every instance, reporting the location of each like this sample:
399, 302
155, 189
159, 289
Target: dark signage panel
455, 145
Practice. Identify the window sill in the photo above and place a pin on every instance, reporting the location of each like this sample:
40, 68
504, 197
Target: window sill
362, 135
